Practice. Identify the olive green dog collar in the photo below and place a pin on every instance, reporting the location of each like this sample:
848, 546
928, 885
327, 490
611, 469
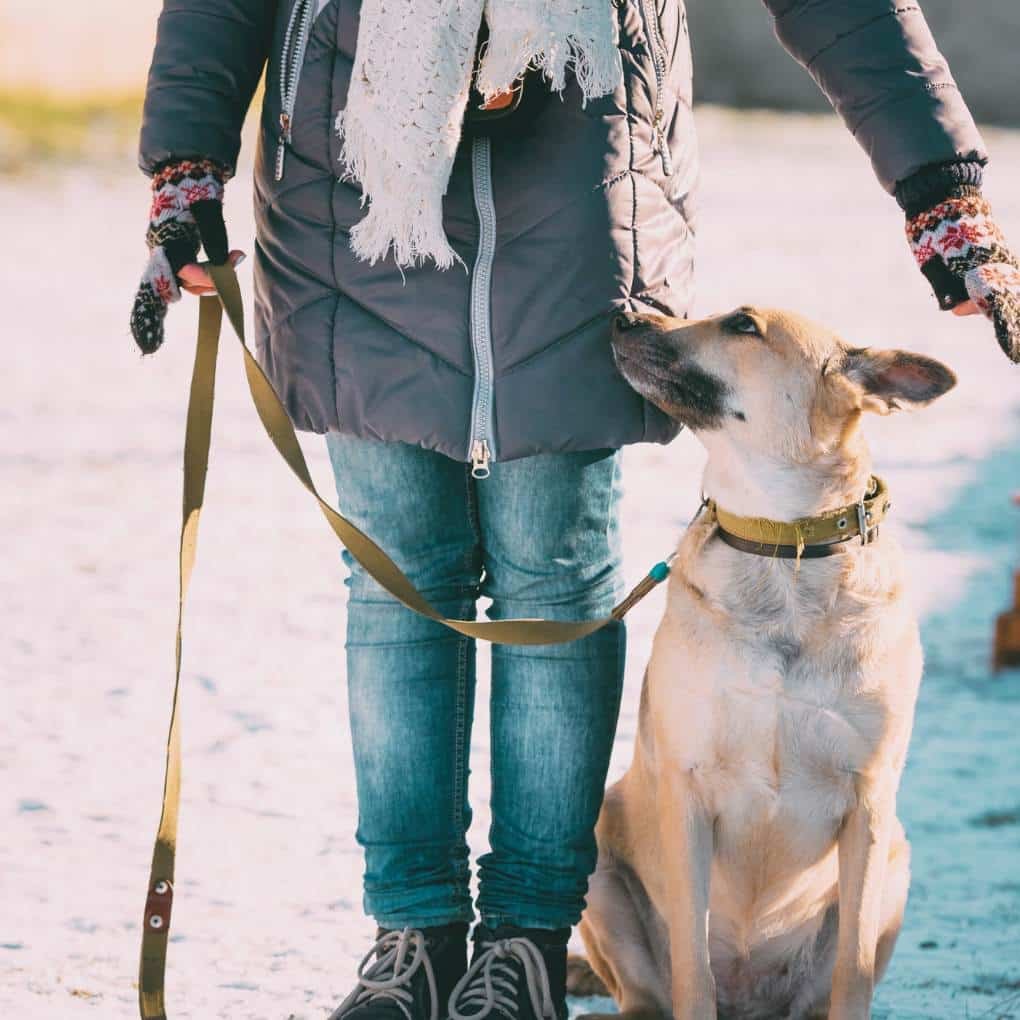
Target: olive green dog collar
808, 537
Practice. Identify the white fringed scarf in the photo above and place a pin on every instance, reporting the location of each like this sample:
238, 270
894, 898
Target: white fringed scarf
410, 86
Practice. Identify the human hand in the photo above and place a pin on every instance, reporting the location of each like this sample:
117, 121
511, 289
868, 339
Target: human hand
195, 278
964, 256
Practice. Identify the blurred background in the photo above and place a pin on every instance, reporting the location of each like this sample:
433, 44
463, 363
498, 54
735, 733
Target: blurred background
267, 922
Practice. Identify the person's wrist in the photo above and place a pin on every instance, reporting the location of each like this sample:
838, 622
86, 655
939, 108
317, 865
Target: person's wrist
178, 185
176, 164
935, 183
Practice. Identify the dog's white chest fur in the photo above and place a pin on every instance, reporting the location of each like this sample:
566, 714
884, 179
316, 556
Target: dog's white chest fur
772, 689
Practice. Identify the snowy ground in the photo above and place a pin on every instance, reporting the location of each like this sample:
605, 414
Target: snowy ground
267, 922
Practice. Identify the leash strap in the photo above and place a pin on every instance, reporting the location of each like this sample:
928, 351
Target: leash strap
377, 564
156, 922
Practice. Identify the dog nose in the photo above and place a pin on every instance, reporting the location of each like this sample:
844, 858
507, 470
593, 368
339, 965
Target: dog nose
624, 321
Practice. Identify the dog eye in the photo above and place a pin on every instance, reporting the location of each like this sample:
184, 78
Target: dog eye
742, 323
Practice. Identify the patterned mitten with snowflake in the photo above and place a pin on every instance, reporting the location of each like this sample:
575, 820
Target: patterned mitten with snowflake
962, 252
186, 214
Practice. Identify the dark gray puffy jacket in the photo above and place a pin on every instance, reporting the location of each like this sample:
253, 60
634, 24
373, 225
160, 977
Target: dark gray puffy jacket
586, 213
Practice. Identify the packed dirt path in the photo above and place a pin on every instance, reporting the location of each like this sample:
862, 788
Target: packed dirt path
267, 922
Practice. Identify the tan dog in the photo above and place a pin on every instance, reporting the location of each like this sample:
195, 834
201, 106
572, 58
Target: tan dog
751, 864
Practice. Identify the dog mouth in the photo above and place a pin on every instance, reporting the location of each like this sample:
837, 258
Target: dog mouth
683, 391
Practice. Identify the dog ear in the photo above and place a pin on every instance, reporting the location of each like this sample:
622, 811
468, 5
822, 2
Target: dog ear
891, 380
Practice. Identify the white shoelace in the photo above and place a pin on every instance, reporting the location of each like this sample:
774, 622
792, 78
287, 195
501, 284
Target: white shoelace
386, 972
489, 982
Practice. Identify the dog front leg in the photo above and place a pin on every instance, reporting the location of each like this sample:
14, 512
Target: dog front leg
687, 846
863, 856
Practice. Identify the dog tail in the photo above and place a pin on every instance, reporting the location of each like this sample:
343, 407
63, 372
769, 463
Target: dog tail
582, 981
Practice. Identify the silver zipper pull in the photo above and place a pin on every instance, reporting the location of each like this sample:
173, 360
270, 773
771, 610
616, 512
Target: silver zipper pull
667, 159
661, 146
480, 459
281, 144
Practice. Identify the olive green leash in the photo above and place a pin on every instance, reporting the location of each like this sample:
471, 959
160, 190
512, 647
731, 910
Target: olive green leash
377, 564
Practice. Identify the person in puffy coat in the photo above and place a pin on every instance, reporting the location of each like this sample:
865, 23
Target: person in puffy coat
473, 414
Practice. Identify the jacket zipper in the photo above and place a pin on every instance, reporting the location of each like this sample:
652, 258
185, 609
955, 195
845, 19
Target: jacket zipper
482, 442
657, 48
299, 27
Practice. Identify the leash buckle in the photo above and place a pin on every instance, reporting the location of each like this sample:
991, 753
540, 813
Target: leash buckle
864, 524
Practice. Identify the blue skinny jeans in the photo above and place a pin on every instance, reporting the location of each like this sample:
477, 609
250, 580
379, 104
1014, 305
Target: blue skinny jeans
539, 537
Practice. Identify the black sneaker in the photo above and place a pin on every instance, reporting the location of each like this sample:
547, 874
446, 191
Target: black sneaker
407, 975
515, 974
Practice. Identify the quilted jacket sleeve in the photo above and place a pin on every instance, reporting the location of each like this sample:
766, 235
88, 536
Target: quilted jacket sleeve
878, 64
206, 65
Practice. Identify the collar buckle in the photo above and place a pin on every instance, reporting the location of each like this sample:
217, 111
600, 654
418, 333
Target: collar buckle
864, 522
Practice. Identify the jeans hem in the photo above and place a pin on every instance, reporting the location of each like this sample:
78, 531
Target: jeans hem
397, 921
546, 922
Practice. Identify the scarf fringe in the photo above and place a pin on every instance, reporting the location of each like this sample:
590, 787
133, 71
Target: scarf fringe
401, 149
595, 60
401, 216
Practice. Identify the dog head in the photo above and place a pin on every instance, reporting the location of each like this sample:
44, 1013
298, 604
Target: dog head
771, 381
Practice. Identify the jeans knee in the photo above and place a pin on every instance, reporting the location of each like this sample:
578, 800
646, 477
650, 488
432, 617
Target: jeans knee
555, 588
417, 506
551, 535
445, 575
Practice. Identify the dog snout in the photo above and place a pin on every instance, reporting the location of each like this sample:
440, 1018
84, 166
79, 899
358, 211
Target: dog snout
628, 322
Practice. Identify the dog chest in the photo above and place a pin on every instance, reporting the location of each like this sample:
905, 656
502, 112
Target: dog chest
771, 742
781, 772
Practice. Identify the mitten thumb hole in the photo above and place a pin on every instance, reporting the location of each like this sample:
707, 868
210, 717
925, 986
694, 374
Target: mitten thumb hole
949, 289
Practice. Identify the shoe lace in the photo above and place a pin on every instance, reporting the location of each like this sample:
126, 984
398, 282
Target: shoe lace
490, 982
386, 972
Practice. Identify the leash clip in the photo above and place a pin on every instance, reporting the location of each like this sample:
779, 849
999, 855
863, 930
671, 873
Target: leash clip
702, 506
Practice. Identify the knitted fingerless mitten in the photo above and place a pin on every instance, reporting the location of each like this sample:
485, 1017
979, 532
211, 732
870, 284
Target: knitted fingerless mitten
174, 240
962, 252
